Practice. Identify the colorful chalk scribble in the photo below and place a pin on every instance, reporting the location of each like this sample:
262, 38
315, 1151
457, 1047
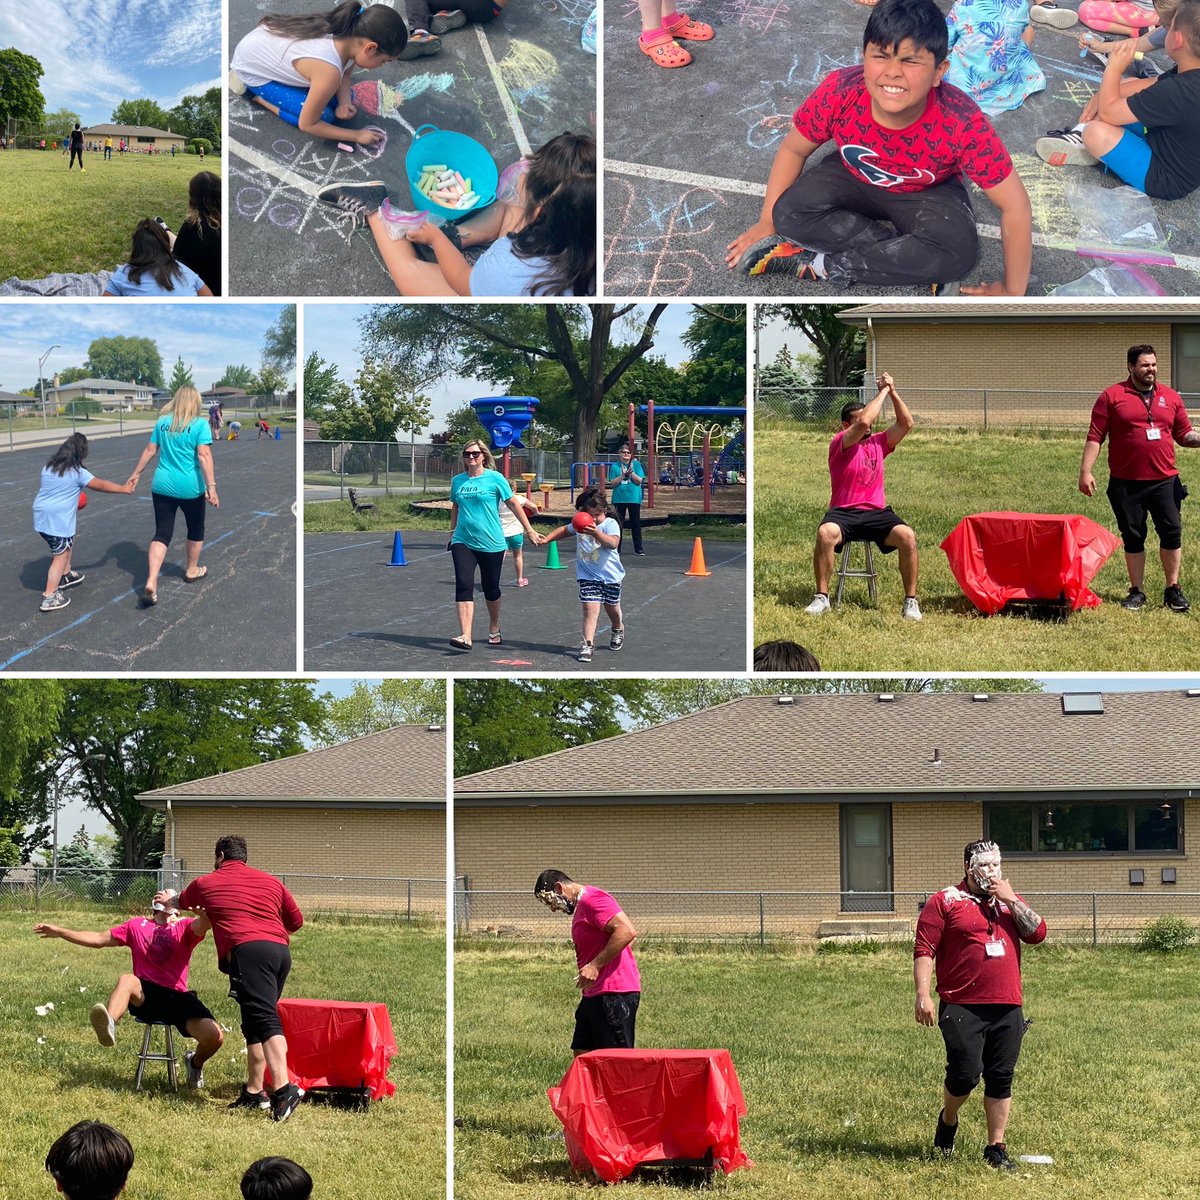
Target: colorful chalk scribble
1046, 185
656, 251
378, 99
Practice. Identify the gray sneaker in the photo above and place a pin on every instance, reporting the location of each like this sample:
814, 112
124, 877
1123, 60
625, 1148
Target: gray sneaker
585, 652
52, 602
195, 1074
355, 200
104, 1025
911, 610
617, 640
447, 19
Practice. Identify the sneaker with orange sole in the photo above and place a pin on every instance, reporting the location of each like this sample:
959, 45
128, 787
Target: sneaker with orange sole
682, 26
663, 50
785, 258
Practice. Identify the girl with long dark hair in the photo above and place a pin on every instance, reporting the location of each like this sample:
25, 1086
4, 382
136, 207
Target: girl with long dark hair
198, 243
300, 68
152, 269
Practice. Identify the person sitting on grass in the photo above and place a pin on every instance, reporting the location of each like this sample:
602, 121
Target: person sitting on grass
276, 1179
889, 209
541, 230
152, 270
91, 1161
156, 992
1146, 131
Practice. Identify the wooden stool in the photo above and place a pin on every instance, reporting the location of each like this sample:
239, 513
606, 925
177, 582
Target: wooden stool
147, 1055
868, 571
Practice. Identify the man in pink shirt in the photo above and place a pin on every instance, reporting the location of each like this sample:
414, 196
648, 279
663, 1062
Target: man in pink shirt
858, 511
157, 990
607, 973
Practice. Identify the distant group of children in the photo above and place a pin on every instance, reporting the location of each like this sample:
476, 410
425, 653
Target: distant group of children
540, 230
92, 1161
890, 209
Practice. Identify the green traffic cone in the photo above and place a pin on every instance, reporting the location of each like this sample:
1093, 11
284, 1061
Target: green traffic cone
552, 563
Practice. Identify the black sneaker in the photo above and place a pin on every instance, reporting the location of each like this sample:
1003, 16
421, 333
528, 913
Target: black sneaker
1135, 599
447, 19
71, 579
284, 1102
944, 1135
248, 1099
1175, 600
357, 200
786, 258
996, 1156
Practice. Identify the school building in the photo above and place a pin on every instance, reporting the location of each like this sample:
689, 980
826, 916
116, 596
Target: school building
1026, 362
138, 138
359, 826
829, 815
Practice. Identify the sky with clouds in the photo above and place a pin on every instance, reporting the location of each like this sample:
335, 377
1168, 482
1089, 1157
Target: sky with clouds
209, 336
96, 53
332, 330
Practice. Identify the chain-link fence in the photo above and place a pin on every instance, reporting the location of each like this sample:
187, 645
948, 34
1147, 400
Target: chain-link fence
939, 408
1088, 918
44, 889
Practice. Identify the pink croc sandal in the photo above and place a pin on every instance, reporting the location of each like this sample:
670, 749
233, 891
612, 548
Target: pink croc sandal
682, 26
664, 50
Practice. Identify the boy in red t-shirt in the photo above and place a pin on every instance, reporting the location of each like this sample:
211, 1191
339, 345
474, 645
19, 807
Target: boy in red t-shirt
890, 208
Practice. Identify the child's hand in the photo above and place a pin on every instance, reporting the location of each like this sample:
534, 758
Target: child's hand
424, 234
1089, 41
344, 112
1120, 56
132, 481
1091, 110
366, 137
739, 245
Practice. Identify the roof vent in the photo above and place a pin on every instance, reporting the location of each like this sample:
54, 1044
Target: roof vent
1193, 691
1082, 702
786, 700
886, 697
936, 760
434, 728
980, 698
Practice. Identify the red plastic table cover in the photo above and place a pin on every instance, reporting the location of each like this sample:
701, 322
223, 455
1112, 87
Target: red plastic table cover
336, 1043
1001, 556
622, 1108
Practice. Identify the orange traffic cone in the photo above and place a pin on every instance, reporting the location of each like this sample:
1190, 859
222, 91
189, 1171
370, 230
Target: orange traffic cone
697, 567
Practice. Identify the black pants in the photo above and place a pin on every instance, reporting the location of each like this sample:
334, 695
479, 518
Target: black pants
76, 153
606, 1021
1133, 500
478, 11
828, 209
164, 517
630, 516
981, 1039
490, 564
257, 973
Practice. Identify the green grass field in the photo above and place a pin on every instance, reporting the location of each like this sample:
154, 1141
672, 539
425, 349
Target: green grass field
59, 220
842, 1086
933, 480
53, 1073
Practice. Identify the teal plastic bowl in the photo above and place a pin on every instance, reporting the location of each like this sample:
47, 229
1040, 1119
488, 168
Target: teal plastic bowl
460, 153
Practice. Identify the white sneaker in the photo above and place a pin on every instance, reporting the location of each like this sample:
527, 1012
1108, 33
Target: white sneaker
104, 1025
911, 610
195, 1074
819, 605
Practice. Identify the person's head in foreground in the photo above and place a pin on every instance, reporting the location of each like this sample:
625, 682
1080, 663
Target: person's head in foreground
276, 1179
784, 656
231, 848
1143, 367
183, 408
905, 48
560, 215
1183, 36
91, 1161
150, 254
204, 201
981, 863
69, 455
594, 502
557, 891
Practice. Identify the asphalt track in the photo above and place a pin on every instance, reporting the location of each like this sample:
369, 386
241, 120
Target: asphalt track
679, 188
242, 617
511, 85
360, 614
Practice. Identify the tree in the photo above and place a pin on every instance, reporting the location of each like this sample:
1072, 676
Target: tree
499, 721
841, 348
21, 98
462, 424
198, 116
507, 343
268, 381
323, 390
129, 359
59, 124
141, 112
72, 375
84, 407
181, 376
30, 710
716, 337
118, 738
371, 707
236, 376
279, 342
650, 378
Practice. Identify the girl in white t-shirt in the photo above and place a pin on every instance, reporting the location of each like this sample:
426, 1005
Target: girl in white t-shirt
300, 68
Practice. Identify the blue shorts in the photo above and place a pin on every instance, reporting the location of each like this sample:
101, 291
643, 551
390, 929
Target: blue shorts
594, 591
515, 542
58, 545
1129, 159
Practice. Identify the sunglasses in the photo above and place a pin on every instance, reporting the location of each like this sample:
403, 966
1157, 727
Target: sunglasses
472, 454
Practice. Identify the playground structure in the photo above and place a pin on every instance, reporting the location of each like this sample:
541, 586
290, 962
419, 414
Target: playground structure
729, 464
505, 418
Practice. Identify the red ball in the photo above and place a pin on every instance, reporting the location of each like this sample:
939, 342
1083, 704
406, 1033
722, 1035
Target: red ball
83, 499
581, 521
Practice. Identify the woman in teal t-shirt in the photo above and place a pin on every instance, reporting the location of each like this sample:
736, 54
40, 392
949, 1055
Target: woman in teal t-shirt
476, 539
626, 478
183, 480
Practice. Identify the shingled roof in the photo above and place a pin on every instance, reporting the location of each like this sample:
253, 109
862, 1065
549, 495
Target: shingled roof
1001, 311
400, 767
843, 746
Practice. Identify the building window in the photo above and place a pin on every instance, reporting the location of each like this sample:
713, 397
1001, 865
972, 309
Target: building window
1185, 359
1055, 827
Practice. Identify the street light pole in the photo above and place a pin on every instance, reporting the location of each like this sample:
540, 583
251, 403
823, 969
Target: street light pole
42, 382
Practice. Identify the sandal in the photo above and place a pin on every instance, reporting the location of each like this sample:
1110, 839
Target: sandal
200, 574
460, 642
664, 50
494, 638
148, 598
522, 583
682, 26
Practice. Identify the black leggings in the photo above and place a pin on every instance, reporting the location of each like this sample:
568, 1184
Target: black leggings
827, 208
490, 564
630, 517
164, 517
76, 153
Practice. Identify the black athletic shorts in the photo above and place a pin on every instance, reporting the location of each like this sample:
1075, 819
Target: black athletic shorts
163, 1005
606, 1021
981, 1039
257, 973
1133, 499
863, 525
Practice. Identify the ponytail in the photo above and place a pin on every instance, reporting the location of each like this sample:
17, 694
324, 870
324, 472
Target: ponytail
378, 23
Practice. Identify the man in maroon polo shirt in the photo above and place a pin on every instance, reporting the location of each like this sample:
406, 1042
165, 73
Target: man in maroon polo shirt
973, 932
1143, 421
252, 916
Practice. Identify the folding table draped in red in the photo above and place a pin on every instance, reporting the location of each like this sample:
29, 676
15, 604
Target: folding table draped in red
336, 1043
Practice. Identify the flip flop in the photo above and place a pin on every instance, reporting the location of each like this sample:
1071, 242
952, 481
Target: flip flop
664, 50
460, 643
148, 598
199, 575
691, 31
494, 639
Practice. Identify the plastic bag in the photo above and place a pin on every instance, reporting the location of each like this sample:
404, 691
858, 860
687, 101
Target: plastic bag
1114, 279
588, 37
1117, 223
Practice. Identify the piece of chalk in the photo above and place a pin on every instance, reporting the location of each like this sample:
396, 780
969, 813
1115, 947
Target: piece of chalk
466, 185
344, 146
436, 167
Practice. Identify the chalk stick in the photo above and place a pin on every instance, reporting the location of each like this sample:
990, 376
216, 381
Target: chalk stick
435, 167
466, 185
344, 146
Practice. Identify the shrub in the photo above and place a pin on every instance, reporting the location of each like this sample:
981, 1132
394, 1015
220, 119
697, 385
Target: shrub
849, 946
1167, 934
